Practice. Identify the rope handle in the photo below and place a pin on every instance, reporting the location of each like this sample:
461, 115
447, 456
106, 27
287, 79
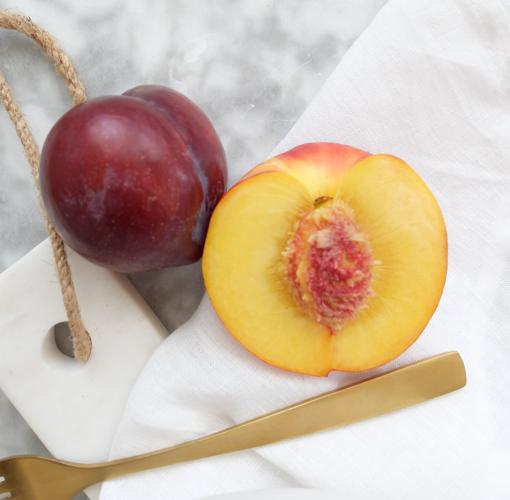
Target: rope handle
82, 345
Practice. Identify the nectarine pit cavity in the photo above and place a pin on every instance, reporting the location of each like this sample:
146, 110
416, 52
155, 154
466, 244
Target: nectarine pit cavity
328, 263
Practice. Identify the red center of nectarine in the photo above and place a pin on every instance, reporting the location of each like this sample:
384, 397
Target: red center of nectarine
328, 264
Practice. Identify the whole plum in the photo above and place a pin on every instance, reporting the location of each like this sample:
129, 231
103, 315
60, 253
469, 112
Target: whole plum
130, 181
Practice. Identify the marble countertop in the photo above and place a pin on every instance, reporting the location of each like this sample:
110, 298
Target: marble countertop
252, 66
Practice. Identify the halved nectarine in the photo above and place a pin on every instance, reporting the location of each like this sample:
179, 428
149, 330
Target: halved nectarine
326, 258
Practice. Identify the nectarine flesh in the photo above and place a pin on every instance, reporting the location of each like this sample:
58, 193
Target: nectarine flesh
326, 258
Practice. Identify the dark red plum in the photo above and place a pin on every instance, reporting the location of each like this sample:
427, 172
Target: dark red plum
130, 181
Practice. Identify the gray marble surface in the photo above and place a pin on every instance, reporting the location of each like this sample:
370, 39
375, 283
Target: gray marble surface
252, 65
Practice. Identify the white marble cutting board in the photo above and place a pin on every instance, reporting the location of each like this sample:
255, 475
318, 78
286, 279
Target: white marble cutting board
73, 407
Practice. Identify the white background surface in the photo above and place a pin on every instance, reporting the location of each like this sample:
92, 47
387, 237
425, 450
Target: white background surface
252, 66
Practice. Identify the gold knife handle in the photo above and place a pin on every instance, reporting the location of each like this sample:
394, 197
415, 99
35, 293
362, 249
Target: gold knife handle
385, 393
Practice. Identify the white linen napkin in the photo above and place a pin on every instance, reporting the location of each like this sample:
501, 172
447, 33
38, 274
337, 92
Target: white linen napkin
430, 83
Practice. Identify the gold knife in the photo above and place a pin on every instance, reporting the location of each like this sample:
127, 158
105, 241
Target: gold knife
37, 478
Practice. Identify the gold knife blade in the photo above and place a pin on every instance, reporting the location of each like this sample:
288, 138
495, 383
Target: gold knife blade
376, 396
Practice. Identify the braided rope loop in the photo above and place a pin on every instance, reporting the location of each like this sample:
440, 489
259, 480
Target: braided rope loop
82, 345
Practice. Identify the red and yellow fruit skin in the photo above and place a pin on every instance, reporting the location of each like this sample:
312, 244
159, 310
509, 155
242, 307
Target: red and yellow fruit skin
248, 232
312, 161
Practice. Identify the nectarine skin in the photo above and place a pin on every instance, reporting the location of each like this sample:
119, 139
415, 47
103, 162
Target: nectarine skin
130, 181
383, 269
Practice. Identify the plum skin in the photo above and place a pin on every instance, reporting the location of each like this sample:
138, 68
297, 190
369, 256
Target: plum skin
130, 181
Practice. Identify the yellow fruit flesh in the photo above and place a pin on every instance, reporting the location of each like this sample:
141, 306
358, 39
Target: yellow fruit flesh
407, 236
242, 270
243, 273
